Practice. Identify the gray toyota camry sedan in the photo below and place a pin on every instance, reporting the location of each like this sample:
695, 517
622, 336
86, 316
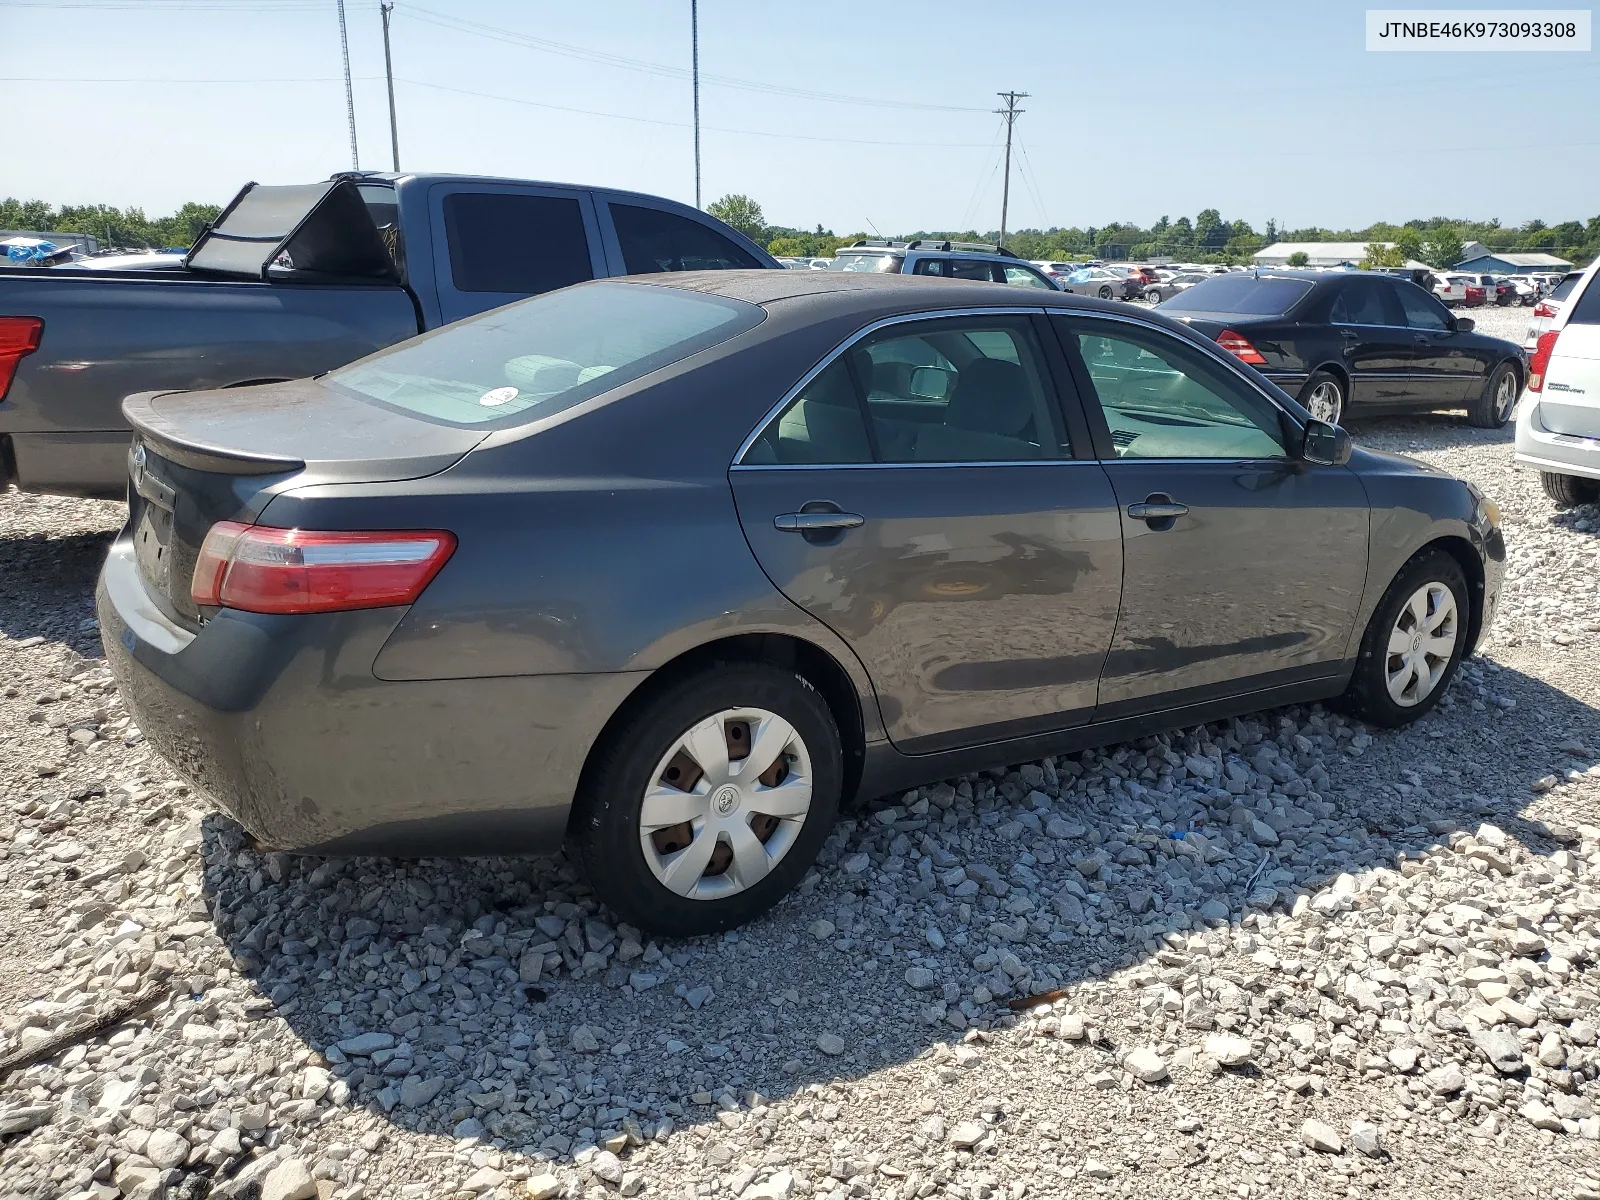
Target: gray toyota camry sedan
673, 567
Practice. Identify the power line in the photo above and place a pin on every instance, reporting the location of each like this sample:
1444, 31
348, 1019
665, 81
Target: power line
589, 112
529, 41
986, 172
1010, 112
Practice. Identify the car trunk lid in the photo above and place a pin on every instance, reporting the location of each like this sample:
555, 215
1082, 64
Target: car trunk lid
203, 457
1570, 402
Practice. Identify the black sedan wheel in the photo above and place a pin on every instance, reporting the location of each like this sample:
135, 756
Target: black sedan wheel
1323, 397
710, 804
1493, 406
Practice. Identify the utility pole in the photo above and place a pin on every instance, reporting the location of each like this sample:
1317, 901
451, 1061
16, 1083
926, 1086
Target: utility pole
694, 39
386, 7
1010, 112
349, 91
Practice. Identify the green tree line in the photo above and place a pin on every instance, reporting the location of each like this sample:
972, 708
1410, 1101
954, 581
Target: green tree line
124, 228
1208, 237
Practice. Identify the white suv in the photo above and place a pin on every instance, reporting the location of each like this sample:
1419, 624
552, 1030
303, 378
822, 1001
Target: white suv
1558, 421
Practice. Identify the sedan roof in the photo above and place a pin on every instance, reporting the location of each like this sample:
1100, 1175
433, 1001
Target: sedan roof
863, 291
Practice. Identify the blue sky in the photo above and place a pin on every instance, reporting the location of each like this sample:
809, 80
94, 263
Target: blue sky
1137, 110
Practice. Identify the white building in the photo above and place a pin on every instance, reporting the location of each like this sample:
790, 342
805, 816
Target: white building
1318, 254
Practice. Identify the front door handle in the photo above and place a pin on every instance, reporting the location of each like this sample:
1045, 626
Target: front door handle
812, 522
1157, 510
1422, 339
1349, 334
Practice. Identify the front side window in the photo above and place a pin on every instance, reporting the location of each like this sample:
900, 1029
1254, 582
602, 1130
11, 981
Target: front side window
530, 360
960, 390
506, 242
655, 240
1023, 277
1165, 399
1422, 310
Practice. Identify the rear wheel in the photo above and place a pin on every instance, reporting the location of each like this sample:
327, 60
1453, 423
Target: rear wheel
1491, 408
1413, 643
1570, 490
1153, 295
709, 806
1105, 291
1323, 397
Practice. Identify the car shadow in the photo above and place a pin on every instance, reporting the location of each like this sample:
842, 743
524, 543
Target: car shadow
602, 1032
47, 587
1426, 427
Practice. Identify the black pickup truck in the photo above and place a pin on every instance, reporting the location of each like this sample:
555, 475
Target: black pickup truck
296, 280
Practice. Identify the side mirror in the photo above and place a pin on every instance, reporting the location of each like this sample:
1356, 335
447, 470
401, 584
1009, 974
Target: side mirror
1463, 324
930, 383
1326, 445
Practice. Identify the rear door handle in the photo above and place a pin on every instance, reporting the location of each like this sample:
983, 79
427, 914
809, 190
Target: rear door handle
1157, 510
1422, 339
810, 522
1349, 334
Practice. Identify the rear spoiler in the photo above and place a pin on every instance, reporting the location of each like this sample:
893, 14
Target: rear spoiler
187, 450
311, 231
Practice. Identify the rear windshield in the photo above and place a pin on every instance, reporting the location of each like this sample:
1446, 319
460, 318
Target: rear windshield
1587, 310
1564, 288
1244, 294
881, 263
533, 359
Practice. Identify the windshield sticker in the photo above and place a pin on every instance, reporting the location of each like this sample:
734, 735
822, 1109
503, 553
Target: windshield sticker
495, 397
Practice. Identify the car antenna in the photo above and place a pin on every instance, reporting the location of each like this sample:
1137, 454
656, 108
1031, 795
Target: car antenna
873, 227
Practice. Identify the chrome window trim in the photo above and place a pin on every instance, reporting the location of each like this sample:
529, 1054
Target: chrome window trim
920, 466
829, 358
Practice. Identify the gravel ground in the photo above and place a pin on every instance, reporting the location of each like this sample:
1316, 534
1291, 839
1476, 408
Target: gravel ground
1285, 954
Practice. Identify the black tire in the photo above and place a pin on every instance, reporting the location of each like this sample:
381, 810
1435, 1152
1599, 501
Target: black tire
1492, 407
1153, 295
605, 827
1325, 379
1569, 491
1368, 696
1105, 291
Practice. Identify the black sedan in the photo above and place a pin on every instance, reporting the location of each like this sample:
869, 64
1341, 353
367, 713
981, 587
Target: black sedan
674, 567
1356, 343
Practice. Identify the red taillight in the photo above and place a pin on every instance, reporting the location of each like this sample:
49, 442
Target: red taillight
1239, 346
258, 568
19, 337
1544, 309
1540, 361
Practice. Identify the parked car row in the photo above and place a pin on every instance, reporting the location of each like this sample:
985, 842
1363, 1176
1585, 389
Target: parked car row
671, 567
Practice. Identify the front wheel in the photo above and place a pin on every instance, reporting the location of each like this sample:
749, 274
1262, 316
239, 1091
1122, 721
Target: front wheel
709, 806
1105, 292
1153, 295
1492, 407
1569, 491
1413, 643
1323, 397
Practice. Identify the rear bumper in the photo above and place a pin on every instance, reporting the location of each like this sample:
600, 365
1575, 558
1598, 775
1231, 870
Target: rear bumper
1559, 453
73, 464
282, 722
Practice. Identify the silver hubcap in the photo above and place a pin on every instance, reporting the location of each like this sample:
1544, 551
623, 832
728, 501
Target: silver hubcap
1507, 394
725, 803
1324, 403
1421, 644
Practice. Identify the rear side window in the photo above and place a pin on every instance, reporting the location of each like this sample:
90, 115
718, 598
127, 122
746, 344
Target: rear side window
1360, 302
1242, 294
503, 242
530, 360
823, 424
653, 240
1564, 288
966, 268
1587, 310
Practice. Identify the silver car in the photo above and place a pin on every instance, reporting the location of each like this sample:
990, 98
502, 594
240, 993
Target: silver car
1098, 281
1168, 288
